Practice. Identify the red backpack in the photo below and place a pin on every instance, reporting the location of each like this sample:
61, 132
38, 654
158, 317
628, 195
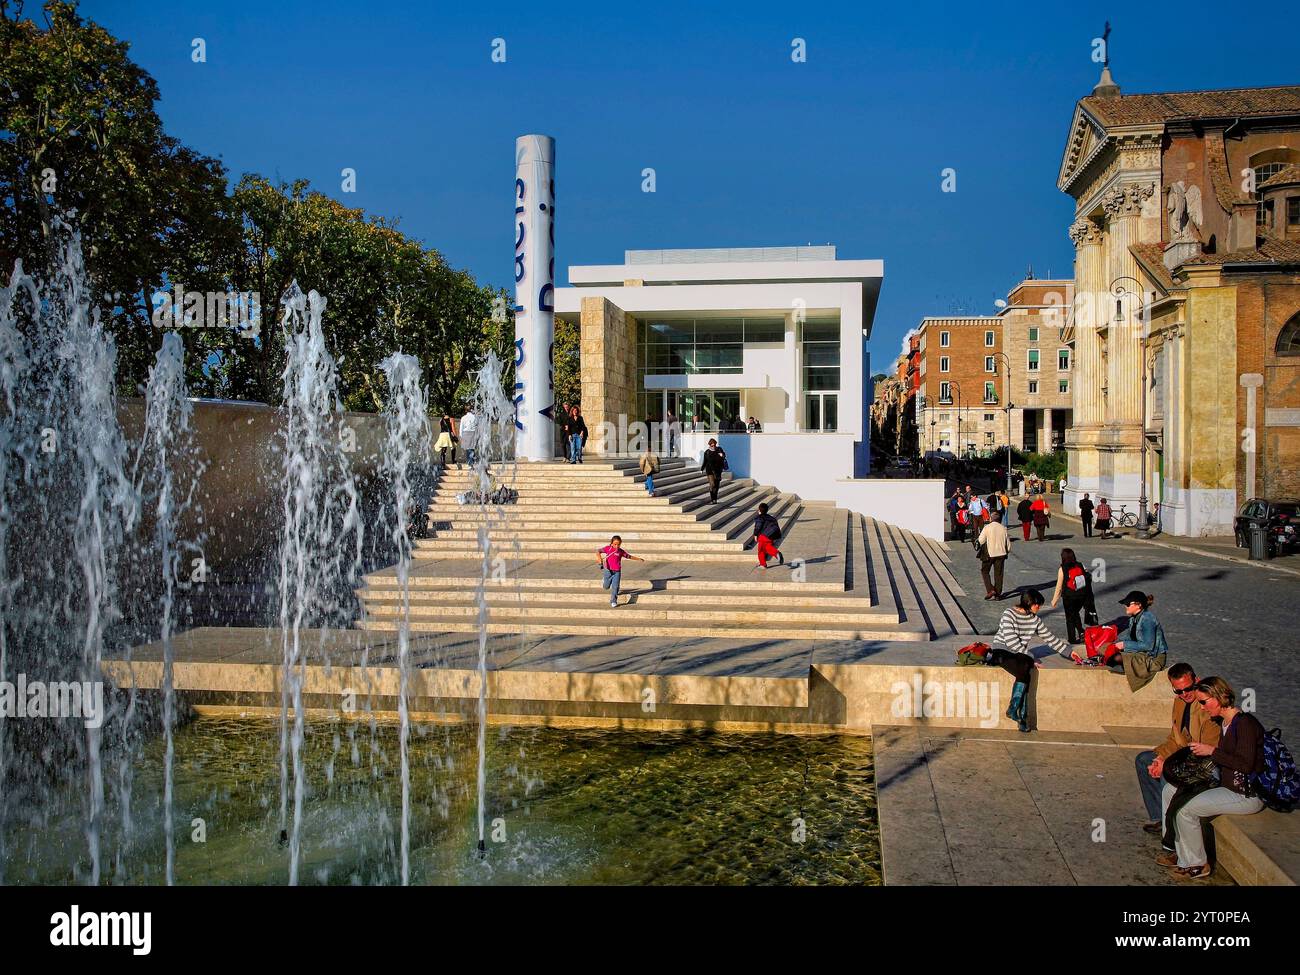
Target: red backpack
1076, 578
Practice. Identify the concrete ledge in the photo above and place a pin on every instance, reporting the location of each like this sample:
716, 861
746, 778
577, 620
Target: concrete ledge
438, 684
1261, 850
1061, 699
846, 686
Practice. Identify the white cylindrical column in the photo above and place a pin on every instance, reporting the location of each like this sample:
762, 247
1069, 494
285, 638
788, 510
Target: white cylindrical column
534, 295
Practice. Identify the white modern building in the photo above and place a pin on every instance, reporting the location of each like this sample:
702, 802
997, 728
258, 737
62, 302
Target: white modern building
718, 336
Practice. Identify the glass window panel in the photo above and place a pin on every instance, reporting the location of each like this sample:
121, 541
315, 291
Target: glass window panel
764, 329
812, 413
672, 331
830, 413
821, 377
719, 330
821, 331
821, 354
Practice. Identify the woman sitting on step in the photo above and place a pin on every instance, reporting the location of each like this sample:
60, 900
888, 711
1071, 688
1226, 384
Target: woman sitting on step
1019, 630
1238, 755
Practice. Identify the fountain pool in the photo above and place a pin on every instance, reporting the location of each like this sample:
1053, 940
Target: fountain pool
564, 806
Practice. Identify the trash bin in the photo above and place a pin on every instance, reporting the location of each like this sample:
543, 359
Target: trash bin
1259, 543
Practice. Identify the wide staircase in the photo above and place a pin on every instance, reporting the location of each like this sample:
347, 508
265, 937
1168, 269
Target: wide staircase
848, 577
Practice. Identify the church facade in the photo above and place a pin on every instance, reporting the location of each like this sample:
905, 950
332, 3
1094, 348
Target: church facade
1185, 323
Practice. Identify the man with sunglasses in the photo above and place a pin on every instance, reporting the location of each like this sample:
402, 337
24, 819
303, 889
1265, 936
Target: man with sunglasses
1190, 723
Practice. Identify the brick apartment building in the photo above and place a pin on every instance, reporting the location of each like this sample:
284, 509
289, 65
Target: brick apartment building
964, 365
958, 407
1042, 366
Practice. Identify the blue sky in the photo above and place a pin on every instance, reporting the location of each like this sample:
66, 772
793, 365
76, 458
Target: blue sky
749, 148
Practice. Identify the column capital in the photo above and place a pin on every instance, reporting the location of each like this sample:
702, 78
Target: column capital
1127, 199
1085, 231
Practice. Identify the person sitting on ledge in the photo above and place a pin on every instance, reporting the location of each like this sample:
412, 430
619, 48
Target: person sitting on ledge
1145, 650
754, 426
1238, 755
1190, 723
1019, 630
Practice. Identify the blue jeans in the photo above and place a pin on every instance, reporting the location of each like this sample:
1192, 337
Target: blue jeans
611, 583
649, 484
471, 456
575, 449
1150, 787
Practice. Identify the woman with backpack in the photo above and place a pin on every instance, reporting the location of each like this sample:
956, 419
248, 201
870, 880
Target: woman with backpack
952, 509
1239, 756
963, 519
1019, 631
1074, 585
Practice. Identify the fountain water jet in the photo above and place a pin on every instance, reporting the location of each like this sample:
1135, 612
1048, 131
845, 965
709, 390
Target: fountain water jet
406, 441
494, 438
321, 522
166, 475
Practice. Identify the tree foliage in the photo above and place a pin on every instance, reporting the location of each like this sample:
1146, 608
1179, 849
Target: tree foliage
80, 136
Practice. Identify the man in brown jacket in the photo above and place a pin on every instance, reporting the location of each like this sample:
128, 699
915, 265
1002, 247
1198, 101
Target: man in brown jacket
993, 557
1190, 723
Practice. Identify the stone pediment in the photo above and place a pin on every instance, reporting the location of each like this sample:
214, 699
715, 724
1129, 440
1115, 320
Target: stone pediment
1087, 138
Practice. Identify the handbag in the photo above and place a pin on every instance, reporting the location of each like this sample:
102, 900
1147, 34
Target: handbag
1185, 770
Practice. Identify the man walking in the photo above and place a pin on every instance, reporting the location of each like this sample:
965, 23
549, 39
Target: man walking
1085, 514
766, 532
469, 435
992, 545
713, 464
1190, 723
674, 433
649, 465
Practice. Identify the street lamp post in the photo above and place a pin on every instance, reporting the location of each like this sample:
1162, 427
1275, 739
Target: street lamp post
1119, 290
1007, 359
957, 386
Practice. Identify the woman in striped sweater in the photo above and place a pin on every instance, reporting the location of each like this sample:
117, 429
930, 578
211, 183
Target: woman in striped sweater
1019, 631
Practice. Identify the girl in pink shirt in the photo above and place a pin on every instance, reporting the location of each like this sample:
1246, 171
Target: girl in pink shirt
611, 559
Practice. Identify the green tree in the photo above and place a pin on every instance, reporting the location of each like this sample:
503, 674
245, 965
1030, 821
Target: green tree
79, 136
567, 362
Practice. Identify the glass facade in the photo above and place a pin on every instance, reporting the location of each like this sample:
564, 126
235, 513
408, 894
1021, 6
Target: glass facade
820, 380
691, 346
715, 347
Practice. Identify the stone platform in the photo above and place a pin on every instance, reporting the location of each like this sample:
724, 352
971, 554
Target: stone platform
979, 808
734, 684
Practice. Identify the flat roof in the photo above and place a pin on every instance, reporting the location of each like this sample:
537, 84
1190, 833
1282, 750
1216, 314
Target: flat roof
730, 255
726, 272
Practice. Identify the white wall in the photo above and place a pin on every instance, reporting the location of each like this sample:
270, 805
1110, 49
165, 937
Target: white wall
816, 466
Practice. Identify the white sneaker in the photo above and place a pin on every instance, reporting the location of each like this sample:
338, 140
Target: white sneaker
613, 603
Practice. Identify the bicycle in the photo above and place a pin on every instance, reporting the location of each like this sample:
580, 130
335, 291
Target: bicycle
1125, 518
